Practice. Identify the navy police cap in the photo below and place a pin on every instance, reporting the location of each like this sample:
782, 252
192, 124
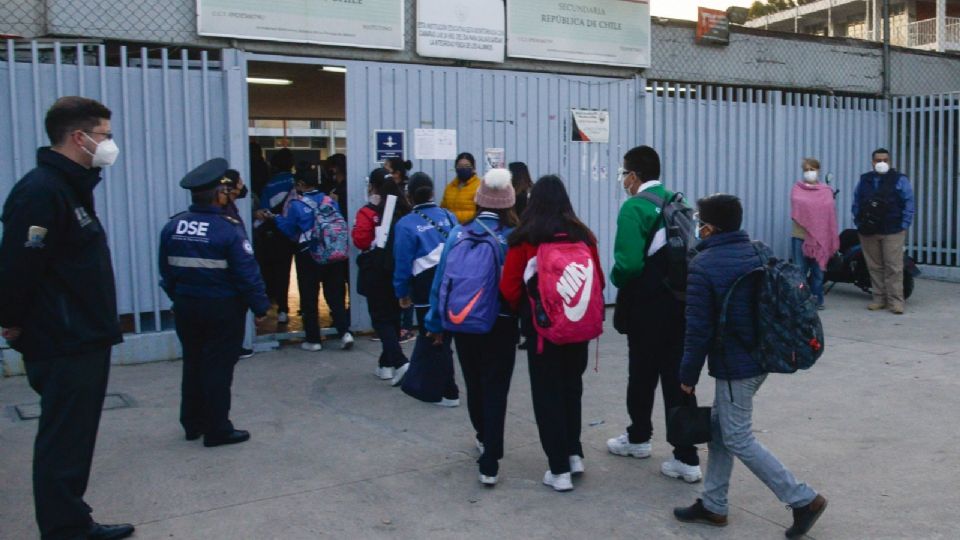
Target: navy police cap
207, 176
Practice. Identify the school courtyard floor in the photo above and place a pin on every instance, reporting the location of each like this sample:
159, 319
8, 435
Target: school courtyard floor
337, 453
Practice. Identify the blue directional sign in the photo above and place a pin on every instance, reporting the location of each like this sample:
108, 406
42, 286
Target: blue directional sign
389, 143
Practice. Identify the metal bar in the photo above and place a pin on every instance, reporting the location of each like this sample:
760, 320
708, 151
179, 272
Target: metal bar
150, 173
914, 233
58, 68
80, 70
128, 173
188, 145
18, 168
205, 85
920, 144
37, 96
952, 221
941, 199
168, 144
107, 175
931, 162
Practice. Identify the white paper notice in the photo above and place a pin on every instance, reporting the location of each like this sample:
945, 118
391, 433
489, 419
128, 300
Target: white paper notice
496, 158
435, 144
383, 230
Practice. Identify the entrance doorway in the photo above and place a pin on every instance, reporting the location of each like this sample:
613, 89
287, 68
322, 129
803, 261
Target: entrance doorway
300, 107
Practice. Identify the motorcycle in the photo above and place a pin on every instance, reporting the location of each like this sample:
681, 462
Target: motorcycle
848, 265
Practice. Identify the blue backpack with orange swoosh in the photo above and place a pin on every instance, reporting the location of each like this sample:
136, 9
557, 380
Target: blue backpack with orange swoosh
469, 296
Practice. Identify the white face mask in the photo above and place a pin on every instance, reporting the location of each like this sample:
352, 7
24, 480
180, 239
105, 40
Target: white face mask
810, 177
374, 199
882, 167
106, 153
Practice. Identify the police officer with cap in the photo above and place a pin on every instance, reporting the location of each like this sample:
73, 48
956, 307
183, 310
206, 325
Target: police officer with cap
208, 270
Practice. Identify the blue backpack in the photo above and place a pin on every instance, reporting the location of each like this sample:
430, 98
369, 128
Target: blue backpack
469, 299
330, 234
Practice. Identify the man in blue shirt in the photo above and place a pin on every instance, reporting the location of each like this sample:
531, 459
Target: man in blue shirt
208, 270
274, 250
883, 210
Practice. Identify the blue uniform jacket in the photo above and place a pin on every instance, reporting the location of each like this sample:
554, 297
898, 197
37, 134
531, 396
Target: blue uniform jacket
276, 191
903, 190
433, 322
297, 223
417, 246
205, 253
722, 258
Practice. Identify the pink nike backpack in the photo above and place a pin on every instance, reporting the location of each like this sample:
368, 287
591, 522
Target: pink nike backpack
566, 299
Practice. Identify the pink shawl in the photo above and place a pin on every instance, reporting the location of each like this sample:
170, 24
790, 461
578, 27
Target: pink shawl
812, 206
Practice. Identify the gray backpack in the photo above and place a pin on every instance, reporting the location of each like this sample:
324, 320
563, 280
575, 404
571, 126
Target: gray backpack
681, 230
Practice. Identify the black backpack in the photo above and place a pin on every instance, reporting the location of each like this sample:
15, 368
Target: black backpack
874, 211
788, 331
681, 229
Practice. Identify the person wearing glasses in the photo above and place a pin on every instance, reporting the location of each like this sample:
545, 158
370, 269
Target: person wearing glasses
648, 312
58, 307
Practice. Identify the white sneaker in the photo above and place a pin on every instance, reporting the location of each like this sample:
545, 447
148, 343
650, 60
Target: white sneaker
559, 482
312, 347
385, 373
448, 402
488, 480
678, 469
622, 446
399, 373
576, 464
283, 318
346, 342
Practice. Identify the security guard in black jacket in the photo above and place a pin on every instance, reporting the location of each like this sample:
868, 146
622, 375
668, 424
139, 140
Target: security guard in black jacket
208, 270
58, 307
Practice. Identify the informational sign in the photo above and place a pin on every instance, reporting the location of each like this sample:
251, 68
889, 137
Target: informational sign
496, 158
590, 126
388, 143
461, 29
435, 144
613, 32
713, 26
375, 24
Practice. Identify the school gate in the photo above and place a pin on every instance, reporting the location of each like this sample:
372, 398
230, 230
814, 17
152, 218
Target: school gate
173, 111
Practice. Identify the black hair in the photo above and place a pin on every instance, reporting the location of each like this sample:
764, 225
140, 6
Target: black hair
721, 210
467, 156
338, 162
307, 173
549, 213
879, 151
385, 186
420, 188
205, 197
522, 182
644, 161
233, 175
282, 160
507, 216
71, 113
399, 165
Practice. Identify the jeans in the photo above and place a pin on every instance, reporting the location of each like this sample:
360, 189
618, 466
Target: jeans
810, 268
732, 436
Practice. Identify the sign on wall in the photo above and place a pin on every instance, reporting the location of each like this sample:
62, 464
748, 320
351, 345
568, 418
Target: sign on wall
388, 144
376, 24
613, 32
461, 29
590, 125
435, 143
713, 26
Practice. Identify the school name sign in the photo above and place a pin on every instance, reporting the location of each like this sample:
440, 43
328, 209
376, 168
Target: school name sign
612, 32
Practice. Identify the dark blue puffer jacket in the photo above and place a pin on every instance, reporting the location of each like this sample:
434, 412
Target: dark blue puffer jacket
722, 259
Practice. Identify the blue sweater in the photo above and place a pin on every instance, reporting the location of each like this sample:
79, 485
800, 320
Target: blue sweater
433, 322
722, 258
276, 191
417, 246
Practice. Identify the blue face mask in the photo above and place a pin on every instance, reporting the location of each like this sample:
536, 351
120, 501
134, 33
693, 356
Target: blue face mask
464, 174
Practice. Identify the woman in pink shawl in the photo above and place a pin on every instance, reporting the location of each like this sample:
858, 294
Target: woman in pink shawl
815, 235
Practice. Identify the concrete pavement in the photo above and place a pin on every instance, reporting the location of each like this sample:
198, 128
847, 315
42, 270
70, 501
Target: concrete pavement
337, 453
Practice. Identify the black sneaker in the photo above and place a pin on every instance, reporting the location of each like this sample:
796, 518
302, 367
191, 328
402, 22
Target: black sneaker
246, 353
805, 516
698, 514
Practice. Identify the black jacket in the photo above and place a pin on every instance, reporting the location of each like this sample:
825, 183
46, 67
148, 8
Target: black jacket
56, 278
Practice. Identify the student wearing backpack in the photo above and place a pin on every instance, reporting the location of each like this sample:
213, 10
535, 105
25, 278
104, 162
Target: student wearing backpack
301, 224
419, 238
465, 301
375, 271
648, 312
725, 254
549, 229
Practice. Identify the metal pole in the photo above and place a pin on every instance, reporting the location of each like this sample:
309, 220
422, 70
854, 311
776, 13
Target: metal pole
886, 71
941, 25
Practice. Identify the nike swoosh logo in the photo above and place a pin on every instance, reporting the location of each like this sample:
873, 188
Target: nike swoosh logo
576, 312
458, 318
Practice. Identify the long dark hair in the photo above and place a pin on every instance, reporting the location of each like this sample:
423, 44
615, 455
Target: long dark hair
521, 177
399, 165
506, 216
382, 184
548, 214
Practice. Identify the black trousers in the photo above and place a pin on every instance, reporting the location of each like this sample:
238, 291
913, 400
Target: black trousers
391, 354
556, 384
655, 355
487, 362
275, 269
211, 333
450, 388
333, 277
71, 391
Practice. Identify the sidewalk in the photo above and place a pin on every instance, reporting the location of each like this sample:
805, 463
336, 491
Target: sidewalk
336, 453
